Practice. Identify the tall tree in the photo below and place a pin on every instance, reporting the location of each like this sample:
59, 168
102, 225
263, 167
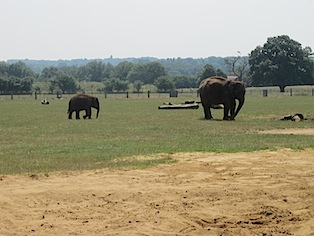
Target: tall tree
94, 71
115, 84
281, 62
137, 84
20, 70
49, 72
181, 81
164, 83
146, 72
122, 70
66, 84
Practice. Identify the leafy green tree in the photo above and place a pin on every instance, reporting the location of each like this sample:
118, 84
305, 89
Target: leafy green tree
109, 85
281, 62
26, 84
122, 70
49, 72
66, 83
3, 84
210, 71
53, 85
137, 85
108, 71
146, 72
70, 70
4, 68
164, 83
154, 70
137, 72
181, 81
121, 85
116, 84
15, 84
93, 71
20, 70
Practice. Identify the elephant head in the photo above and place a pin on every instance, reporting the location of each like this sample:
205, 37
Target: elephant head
220, 90
95, 104
237, 91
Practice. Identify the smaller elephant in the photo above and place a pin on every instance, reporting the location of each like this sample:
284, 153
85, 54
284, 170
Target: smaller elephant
81, 102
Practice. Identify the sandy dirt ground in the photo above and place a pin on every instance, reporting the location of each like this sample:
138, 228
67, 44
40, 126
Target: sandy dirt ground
259, 193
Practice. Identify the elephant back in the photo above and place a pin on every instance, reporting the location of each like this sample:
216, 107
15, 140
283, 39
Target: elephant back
80, 101
211, 80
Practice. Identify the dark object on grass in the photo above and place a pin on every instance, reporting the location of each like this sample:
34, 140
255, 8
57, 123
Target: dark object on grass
45, 101
179, 106
296, 117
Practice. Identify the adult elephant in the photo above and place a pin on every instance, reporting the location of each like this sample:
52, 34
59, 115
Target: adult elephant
83, 102
220, 90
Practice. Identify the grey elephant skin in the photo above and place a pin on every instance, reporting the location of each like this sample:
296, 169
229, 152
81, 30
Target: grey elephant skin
220, 90
82, 102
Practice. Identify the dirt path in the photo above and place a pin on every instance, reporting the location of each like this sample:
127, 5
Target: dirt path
260, 193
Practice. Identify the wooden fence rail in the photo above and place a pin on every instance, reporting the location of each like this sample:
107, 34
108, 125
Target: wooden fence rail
193, 93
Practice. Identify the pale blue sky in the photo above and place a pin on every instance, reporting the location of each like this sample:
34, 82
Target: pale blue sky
70, 29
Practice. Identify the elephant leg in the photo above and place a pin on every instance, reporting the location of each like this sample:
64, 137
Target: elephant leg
208, 114
77, 115
226, 111
232, 109
88, 113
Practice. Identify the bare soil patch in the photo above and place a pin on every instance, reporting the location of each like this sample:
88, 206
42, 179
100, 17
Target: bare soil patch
259, 193
289, 131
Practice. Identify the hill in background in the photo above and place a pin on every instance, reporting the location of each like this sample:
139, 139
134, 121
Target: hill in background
174, 66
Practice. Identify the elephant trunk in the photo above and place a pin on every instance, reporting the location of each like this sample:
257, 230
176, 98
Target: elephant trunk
241, 102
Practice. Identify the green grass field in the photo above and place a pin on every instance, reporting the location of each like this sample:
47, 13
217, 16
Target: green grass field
39, 138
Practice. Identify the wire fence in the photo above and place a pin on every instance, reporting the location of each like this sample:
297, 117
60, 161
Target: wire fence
190, 93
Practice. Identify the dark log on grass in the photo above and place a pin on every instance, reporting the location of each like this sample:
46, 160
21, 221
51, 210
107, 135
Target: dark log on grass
179, 106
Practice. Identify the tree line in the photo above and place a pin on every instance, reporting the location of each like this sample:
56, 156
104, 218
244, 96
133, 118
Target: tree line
122, 77
281, 61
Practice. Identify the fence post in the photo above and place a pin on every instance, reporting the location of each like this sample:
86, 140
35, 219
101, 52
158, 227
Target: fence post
265, 93
127, 94
312, 92
148, 94
11, 95
105, 95
173, 93
290, 92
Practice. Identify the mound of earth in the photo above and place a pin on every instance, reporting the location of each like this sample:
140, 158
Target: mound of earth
259, 193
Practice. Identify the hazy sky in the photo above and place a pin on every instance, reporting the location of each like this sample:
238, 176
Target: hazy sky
70, 29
